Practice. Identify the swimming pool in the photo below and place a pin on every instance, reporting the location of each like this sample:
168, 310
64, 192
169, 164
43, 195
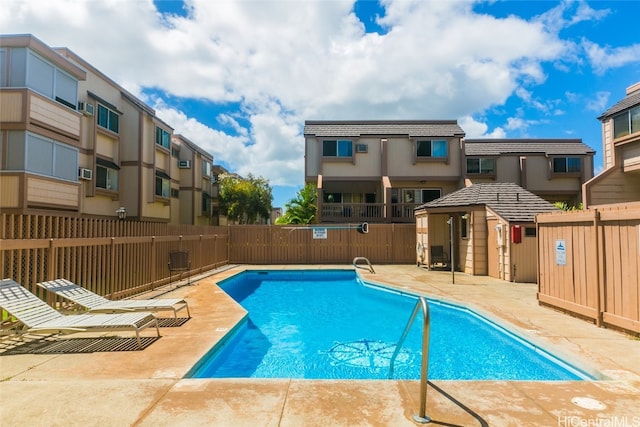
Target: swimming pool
328, 324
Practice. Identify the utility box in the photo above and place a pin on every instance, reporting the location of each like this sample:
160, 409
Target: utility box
516, 234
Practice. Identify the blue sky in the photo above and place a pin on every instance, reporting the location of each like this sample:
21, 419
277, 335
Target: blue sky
239, 78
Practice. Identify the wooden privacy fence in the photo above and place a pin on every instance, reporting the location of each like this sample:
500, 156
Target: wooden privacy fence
110, 257
589, 264
122, 258
384, 243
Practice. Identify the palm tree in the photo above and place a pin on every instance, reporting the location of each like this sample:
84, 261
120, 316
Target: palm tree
302, 209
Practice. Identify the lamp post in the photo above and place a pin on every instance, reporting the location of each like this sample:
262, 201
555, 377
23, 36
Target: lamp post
122, 213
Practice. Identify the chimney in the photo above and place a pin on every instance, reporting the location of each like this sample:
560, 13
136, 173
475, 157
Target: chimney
633, 88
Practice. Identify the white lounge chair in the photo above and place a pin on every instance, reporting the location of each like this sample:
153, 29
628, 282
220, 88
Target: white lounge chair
38, 317
99, 304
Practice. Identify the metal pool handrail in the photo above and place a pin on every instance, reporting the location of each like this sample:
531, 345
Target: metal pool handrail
421, 417
361, 258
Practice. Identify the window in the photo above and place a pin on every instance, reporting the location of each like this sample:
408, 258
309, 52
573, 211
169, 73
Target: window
566, 165
163, 138
431, 149
42, 156
66, 89
206, 202
530, 232
106, 175
337, 148
28, 69
481, 166
420, 195
332, 197
40, 74
464, 226
175, 152
626, 123
175, 193
3, 67
206, 168
108, 119
163, 184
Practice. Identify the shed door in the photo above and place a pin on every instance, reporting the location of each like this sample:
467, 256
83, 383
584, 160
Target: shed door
493, 258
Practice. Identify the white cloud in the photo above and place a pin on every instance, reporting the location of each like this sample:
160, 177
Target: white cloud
287, 61
568, 13
599, 102
604, 58
477, 129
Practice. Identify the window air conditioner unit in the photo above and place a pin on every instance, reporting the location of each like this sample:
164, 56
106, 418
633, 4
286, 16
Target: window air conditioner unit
85, 108
86, 174
184, 164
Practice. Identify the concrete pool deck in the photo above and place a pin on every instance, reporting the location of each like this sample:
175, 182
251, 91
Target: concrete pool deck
147, 388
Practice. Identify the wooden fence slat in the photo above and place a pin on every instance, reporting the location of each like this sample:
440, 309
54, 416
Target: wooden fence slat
600, 279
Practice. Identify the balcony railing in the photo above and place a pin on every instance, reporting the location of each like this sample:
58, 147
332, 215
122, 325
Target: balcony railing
367, 212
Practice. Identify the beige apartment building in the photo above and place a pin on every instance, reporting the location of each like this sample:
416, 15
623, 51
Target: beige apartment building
620, 180
553, 169
40, 129
197, 196
72, 138
379, 171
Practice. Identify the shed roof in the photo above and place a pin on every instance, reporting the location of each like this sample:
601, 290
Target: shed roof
411, 128
629, 101
496, 147
510, 201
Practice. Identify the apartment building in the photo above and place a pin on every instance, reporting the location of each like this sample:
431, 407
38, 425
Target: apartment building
553, 169
71, 138
196, 200
379, 171
40, 129
620, 180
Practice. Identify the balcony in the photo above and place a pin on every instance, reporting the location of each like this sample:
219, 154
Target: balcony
20, 107
367, 212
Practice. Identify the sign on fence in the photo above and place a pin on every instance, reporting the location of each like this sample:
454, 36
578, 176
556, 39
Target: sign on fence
561, 252
319, 233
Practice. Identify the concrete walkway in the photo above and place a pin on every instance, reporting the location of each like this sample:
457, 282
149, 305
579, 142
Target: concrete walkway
146, 388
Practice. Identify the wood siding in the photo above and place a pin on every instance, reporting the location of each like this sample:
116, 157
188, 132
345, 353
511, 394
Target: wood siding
596, 275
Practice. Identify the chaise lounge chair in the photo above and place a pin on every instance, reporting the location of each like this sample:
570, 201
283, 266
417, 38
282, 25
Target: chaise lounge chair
98, 304
38, 317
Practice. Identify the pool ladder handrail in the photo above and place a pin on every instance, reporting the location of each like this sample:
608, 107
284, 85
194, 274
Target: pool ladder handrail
361, 258
420, 417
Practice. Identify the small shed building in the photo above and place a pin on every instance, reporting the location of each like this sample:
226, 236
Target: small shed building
484, 229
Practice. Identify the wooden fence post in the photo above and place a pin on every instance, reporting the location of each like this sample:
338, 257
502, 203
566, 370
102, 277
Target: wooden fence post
51, 267
600, 266
154, 259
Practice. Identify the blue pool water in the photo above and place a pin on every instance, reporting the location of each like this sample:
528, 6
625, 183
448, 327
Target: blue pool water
330, 325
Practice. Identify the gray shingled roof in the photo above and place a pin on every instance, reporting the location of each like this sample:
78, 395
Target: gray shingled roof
510, 201
412, 128
496, 147
628, 102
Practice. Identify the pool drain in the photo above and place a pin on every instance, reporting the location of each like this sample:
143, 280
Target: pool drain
588, 403
367, 354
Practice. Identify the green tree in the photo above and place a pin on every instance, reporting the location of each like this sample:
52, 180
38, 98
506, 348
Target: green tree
565, 206
302, 209
245, 200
